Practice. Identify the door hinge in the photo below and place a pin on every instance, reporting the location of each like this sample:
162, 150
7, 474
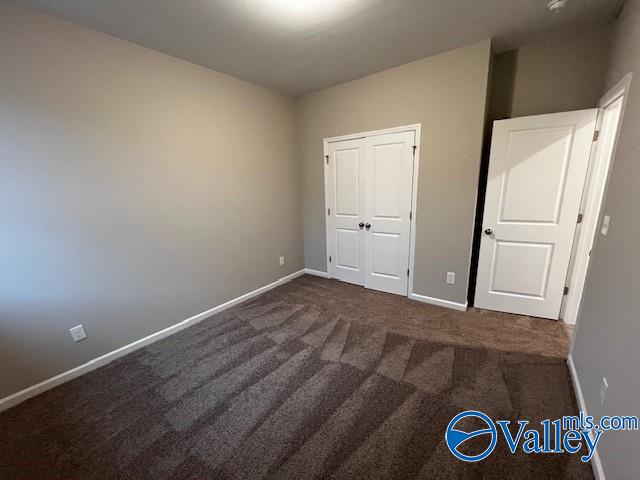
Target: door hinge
414, 150
566, 290
410, 215
329, 258
596, 135
407, 272
579, 218
327, 157
328, 211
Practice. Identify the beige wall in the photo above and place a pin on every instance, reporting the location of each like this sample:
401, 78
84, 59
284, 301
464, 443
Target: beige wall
446, 94
608, 328
566, 72
136, 190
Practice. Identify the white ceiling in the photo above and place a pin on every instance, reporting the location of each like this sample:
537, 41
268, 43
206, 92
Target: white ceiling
298, 46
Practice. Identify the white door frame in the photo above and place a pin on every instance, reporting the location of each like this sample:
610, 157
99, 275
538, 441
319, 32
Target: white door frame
414, 187
591, 208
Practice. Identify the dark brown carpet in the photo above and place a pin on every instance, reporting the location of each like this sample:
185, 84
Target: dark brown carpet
315, 379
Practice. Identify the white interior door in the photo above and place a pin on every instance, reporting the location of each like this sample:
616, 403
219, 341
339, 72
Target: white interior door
536, 177
388, 192
346, 210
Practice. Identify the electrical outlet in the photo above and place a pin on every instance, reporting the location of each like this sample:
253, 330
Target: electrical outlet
606, 221
281, 260
451, 278
78, 333
603, 390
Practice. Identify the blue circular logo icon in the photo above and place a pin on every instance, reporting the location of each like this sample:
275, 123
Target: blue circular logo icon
456, 438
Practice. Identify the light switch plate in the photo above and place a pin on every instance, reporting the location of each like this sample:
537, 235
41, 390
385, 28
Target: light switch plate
604, 387
606, 221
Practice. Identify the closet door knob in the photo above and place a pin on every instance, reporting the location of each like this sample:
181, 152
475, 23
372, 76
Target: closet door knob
368, 226
361, 224
488, 231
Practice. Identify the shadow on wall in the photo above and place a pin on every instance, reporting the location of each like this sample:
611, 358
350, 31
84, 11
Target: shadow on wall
500, 105
502, 87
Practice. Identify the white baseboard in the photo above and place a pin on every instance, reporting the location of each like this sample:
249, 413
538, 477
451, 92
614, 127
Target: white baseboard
32, 391
596, 463
317, 273
438, 301
413, 296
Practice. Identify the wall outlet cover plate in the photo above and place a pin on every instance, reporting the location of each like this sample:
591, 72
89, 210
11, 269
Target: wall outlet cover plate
78, 333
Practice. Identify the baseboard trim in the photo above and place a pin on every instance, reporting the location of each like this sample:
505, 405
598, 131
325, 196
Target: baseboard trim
317, 273
32, 391
596, 463
438, 301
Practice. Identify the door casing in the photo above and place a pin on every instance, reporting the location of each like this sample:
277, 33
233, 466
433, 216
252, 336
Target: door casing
595, 192
416, 128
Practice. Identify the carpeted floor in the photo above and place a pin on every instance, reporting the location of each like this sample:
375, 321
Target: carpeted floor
314, 379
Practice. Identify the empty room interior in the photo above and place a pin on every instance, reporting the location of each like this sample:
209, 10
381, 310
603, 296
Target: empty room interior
314, 239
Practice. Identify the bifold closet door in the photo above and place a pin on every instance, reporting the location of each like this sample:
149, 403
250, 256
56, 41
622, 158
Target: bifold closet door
344, 184
388, 191
369, 190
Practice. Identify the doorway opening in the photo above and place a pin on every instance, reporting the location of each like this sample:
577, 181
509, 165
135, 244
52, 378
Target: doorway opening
546, 183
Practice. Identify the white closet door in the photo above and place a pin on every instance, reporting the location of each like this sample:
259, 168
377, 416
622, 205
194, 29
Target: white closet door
388, 178
344, 184
537, 172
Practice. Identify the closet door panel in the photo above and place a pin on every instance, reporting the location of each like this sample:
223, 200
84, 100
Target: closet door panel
388, 179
